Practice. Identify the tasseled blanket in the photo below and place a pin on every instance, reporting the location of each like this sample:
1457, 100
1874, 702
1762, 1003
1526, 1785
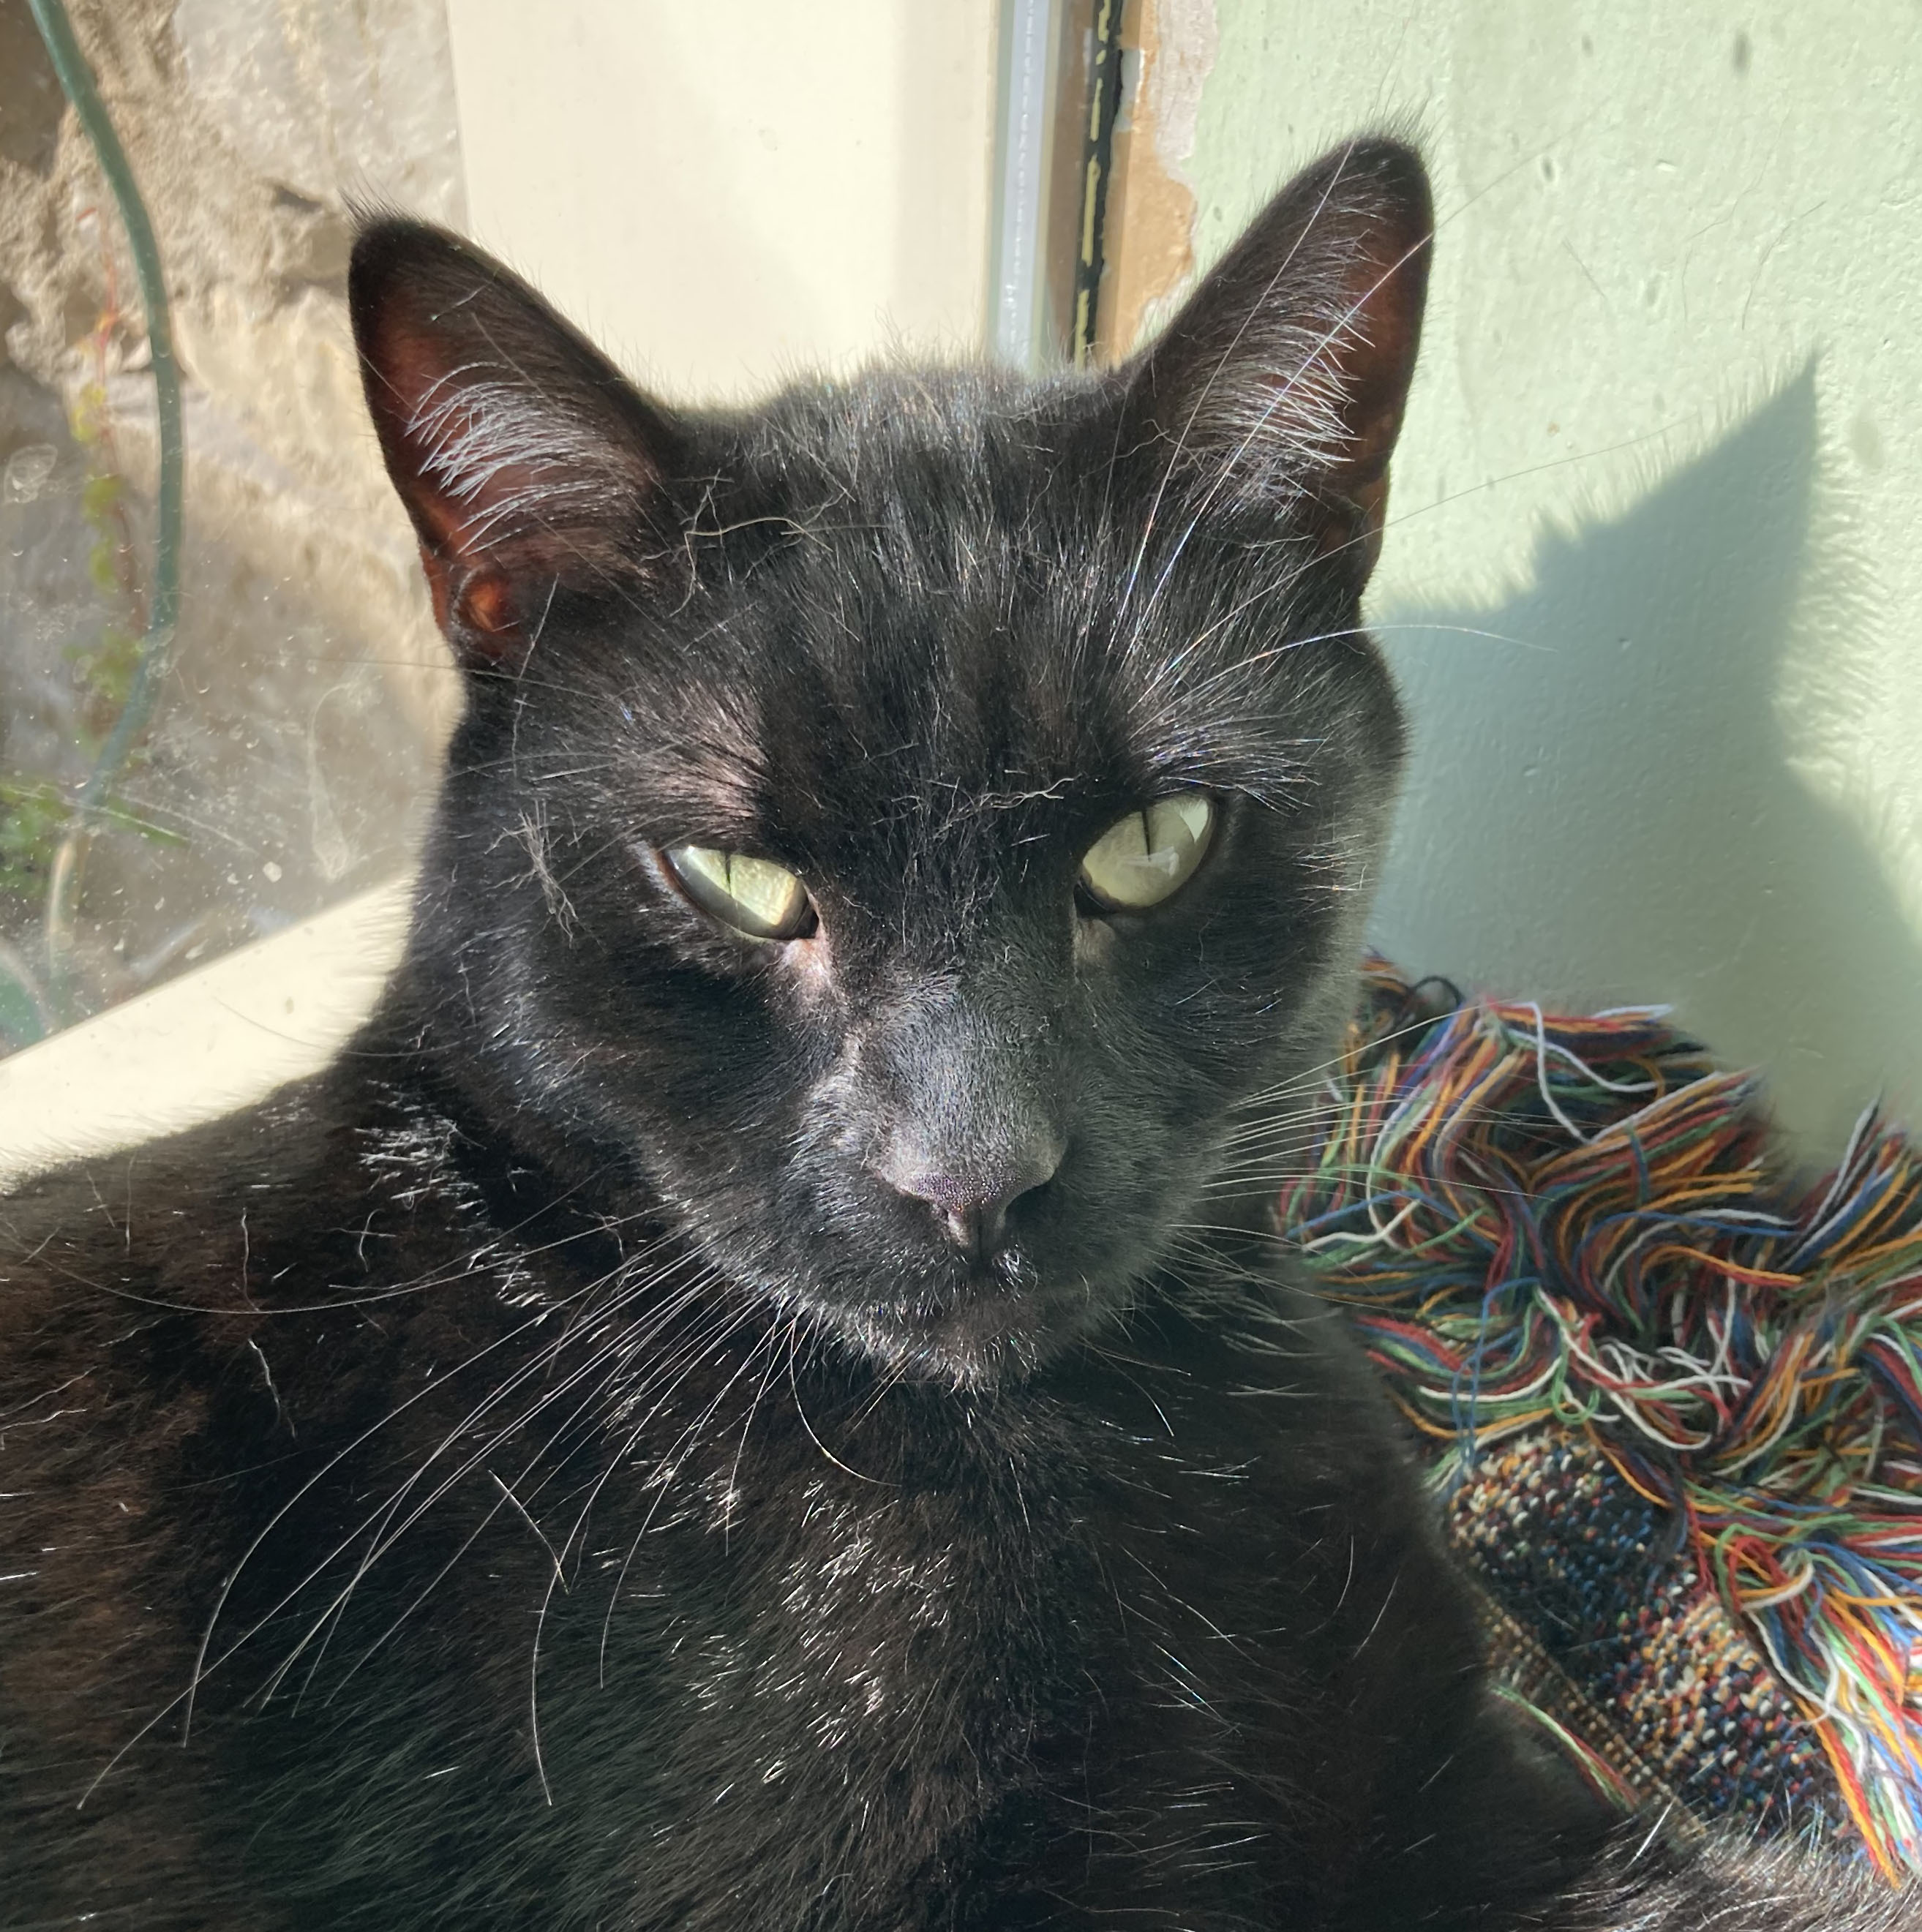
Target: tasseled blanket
1675, 1394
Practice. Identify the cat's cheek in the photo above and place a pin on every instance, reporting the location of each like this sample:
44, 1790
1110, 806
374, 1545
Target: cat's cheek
1095, 945
809, 963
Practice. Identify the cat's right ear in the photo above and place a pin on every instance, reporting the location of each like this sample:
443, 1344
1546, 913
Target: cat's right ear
1280, 384
529, 464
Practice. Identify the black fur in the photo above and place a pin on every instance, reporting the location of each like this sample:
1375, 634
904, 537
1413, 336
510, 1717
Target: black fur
547, 1471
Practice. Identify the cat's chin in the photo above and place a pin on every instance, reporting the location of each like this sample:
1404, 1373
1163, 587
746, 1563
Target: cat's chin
983, 1339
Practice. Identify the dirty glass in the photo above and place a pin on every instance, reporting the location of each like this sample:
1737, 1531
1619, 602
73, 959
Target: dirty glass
286, 762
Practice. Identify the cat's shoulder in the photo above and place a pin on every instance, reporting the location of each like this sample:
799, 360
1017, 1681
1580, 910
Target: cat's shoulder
220, 1215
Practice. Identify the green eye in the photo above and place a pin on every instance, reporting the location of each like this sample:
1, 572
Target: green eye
1150, 855
755, 896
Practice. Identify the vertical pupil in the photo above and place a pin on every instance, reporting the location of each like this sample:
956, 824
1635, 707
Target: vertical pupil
761, 898
1145, 856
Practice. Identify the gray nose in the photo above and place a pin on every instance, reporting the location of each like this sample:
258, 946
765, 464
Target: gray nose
970, 1203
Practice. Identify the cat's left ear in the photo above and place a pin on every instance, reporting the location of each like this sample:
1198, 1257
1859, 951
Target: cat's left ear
529, 465
1282, 381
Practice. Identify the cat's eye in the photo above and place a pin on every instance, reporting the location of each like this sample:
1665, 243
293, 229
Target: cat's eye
1151, 854
755, 896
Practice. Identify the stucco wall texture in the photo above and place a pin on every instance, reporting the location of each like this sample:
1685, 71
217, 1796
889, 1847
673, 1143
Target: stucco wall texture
1653, 582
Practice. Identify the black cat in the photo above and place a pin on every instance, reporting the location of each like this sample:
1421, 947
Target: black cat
735, 1402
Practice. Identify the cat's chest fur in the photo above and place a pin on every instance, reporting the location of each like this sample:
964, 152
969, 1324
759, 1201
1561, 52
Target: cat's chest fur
463, 1514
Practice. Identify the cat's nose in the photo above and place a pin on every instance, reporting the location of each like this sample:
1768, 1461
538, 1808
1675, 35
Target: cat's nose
971, 1207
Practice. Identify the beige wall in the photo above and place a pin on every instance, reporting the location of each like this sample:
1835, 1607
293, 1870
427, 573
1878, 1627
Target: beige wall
1651, 581
727, 193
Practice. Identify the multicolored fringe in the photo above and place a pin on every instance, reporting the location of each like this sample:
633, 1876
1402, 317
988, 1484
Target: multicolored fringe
1579, 1225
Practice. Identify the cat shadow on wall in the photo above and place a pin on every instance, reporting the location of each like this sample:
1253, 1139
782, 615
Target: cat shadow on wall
1604, 811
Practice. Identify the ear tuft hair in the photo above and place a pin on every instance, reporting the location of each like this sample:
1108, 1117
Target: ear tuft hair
527, 462
1284, 378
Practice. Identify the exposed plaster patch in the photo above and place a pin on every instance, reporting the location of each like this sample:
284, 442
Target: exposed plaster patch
1170, 47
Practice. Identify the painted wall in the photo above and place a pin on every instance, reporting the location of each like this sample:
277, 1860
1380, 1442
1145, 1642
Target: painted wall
1653, 582
726, 194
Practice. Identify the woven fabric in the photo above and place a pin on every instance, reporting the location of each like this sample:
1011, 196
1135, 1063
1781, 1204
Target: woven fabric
1631, 1650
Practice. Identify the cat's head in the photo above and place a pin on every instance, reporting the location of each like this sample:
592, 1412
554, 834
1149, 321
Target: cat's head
898, 833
